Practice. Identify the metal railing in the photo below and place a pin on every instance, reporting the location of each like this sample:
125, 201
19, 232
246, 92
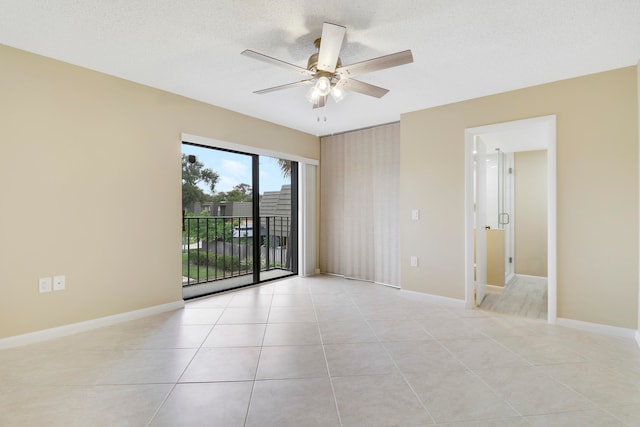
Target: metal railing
217, 248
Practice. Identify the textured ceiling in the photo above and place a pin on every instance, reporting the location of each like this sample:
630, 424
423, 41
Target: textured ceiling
462, 49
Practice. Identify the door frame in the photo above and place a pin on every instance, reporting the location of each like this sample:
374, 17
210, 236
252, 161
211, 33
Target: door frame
306, 211
549, 124
480, 220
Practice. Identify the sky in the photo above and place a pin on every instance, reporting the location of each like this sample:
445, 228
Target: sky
235, 169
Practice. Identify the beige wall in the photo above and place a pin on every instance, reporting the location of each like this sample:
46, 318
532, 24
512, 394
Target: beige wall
597, 200
90, 188
530, 216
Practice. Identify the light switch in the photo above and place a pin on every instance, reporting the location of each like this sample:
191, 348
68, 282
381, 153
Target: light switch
415, 214
44, 285
414, 261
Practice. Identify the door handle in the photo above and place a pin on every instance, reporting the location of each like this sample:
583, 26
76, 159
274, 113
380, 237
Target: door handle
504, 218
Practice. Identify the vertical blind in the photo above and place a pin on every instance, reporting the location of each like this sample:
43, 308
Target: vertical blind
359, 229
307, 219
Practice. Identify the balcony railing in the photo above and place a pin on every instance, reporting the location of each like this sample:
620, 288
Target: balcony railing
218, 248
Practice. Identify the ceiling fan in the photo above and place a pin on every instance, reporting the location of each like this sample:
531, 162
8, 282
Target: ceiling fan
325, 73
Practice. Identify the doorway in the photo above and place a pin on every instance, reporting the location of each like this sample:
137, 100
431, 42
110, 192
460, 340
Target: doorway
489, 220
239, 219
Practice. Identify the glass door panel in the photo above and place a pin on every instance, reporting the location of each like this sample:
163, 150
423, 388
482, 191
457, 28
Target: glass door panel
239, 219
217, 224
278, 217
505, 208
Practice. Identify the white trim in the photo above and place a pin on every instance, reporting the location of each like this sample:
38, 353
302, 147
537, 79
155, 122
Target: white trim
552, 218
436, 299
638, 337
387, 285
361, 280
469, 288
529, 276
216, 143
74, 328
597, 328
470, 133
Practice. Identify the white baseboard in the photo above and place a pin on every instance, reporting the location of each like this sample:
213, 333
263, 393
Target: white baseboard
529, 276
436, 299
598, 328
387, 284
74, 328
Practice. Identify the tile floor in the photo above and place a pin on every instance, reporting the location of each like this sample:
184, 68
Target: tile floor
323, 351
526, 296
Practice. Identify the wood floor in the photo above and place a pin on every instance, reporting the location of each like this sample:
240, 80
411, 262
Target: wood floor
526, 296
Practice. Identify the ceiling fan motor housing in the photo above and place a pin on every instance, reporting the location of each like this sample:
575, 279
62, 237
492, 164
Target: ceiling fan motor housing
312, 63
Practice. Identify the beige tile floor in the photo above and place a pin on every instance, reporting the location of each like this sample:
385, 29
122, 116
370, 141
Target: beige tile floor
323, 351
526, 296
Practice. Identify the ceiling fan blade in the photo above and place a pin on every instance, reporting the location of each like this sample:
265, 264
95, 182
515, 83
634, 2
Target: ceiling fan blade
364, 88
375, 64
287, 86
274, 61
330, 45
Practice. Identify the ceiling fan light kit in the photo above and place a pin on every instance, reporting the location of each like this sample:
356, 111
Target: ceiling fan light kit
325, 72
337, 93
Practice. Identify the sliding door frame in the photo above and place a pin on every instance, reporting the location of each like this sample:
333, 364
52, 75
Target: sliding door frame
298, 209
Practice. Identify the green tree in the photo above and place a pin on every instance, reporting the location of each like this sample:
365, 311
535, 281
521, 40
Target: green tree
285, 167
194, 173
239, 193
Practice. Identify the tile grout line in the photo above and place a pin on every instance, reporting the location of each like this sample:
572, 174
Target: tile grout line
404, 378
496, 392
402, 374
255, 374
175, 384
326, 361
469, 370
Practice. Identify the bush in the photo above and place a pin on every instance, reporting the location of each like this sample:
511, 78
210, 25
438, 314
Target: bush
246, 264
226, 262
199, 257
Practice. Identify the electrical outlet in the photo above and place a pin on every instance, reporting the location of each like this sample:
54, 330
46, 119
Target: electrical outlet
59, 283
414, 261
45, 284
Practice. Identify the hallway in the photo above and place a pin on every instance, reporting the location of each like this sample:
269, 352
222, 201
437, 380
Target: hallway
526, 296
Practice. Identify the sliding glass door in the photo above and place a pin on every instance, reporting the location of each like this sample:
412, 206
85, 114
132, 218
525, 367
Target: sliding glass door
278, 217
233, 233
